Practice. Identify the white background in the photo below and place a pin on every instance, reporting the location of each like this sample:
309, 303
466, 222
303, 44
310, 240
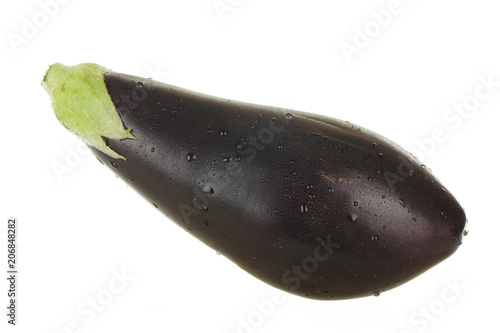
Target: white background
80, 229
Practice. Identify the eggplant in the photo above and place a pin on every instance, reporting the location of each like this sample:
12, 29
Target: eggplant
317, 207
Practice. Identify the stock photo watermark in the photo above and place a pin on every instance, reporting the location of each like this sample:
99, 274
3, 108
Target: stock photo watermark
248, 148
88, 310
223, 7
156, 72
363, 36
31, 25
404, 170
73, 158
453, 117
263, 310
427, 314
75, 155
12, 269
199, 203
292, 278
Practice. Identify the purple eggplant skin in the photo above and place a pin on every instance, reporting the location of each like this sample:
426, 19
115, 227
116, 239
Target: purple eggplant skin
311, 205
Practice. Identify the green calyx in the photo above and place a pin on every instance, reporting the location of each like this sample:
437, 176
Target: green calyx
82, 104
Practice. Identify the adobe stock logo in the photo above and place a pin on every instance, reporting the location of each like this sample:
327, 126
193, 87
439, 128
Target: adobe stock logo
95, 305
421, 319
363, 36
74, 157
222, 7
248, 148
293, 277
263, 309
453, 118
31, 26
